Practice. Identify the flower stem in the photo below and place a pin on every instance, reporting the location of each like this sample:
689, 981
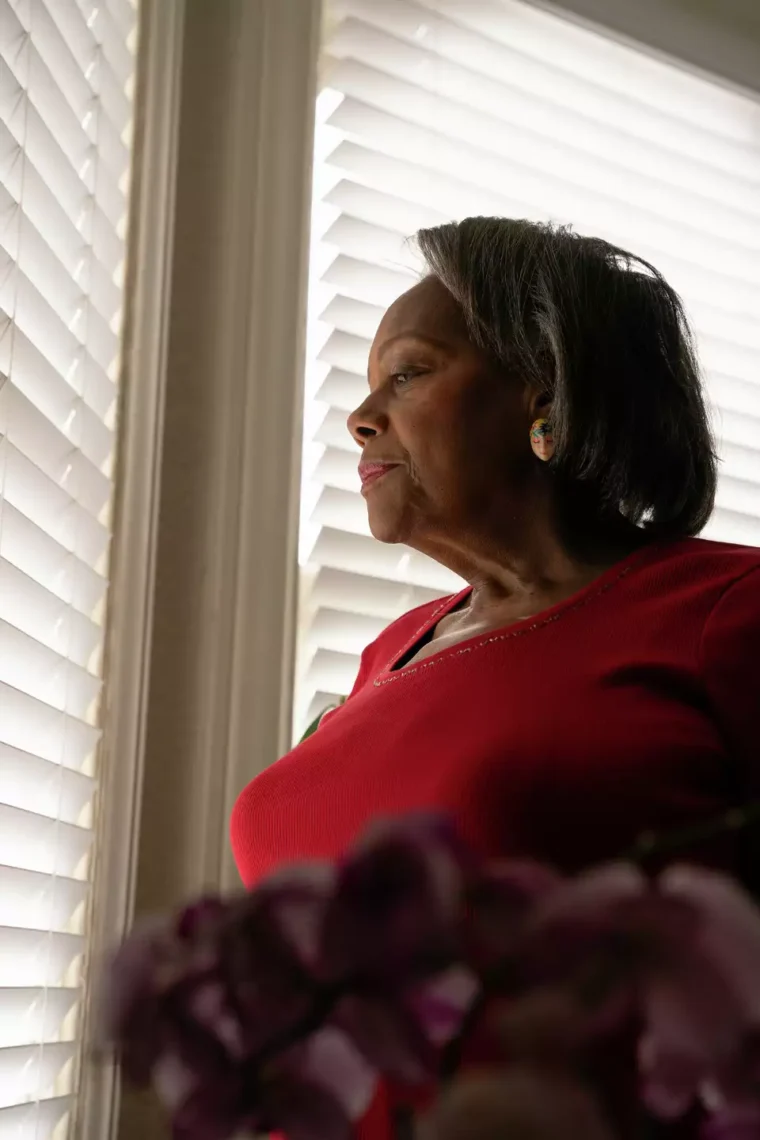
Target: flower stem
652, 845
403, 1122
325, 1001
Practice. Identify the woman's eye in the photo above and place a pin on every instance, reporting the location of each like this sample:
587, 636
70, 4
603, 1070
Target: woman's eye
403, 376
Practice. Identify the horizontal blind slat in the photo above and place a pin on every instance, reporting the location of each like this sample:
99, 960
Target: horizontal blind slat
36, 957
84, 45
56, 106
51, 450
28, 1070
342, 390
553, 197
34, 1120
77, 396
91, 210
46, 617
32, 492
33, 898
660, 118
333, 671
30, 724
340, 510
342, 632
33, 842
84, 34
60, 225
733, 526
42, 673
124, 17
75, 332
365, 594
607, 68
29, 549
59, 402
353, 552
422, 88
365, 171
49, 787
34, 1015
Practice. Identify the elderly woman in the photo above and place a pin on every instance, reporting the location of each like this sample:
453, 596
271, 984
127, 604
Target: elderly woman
535, 422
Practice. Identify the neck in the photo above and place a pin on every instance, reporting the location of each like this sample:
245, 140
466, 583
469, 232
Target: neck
531, 563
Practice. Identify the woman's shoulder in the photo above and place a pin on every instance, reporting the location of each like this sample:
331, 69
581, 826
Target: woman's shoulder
705, 596
705, 566
727, 578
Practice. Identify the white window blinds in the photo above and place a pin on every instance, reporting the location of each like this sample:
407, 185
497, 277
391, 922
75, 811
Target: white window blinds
437, 109
66, 70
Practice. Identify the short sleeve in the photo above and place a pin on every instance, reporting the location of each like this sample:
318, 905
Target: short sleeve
730, 664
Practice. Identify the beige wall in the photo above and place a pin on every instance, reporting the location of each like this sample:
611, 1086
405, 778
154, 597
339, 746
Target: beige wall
721, 36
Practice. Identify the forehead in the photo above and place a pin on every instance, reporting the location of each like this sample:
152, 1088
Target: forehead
427, 309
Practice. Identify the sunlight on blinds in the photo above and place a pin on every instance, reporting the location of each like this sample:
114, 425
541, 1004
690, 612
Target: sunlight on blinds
432, 110
66, 76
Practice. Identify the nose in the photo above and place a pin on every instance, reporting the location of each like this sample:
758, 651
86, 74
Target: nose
367, 421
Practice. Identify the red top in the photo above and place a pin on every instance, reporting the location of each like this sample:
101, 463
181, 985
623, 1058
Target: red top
630, 706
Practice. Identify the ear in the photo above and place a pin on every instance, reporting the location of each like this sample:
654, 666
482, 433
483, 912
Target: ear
539, 405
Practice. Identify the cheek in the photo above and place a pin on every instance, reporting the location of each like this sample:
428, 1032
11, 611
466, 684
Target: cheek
460, 437
493, 436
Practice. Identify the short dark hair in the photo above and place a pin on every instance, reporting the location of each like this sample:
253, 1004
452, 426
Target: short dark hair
602, 333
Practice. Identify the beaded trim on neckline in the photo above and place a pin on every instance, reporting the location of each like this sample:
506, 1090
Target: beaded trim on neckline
518, 629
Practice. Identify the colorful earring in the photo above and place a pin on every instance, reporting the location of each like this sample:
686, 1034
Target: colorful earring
542, 440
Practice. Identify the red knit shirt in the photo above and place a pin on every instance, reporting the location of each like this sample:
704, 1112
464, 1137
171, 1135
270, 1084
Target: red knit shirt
631, 706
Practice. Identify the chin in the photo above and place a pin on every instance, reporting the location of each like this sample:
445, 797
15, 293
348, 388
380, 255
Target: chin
390, 519
393, 514
385, 528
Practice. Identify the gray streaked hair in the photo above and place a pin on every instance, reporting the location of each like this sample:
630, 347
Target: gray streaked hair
602, 334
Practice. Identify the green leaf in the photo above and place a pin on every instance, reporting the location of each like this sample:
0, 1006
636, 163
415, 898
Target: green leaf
315, 723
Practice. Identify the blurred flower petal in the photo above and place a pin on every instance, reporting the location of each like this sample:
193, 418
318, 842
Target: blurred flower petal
318, 1089
128, 1005
499, 899
729, 931
739, 1123
387, 1032
333, 1061
264, 957
702, 1004
201, 918
669, 1079
301, 893
397, 904
173, 1081
439, 1004
210, 1006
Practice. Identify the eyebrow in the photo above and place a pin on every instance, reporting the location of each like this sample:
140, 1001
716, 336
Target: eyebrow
434, 341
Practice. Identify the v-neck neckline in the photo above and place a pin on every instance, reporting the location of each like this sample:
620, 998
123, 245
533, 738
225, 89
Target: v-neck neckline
600, 585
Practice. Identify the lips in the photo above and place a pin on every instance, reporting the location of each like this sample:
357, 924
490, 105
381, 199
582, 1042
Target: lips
370, 472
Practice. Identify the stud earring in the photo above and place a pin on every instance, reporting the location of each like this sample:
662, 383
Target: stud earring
542, 440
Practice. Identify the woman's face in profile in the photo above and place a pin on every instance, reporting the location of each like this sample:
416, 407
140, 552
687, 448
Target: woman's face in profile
452, 428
